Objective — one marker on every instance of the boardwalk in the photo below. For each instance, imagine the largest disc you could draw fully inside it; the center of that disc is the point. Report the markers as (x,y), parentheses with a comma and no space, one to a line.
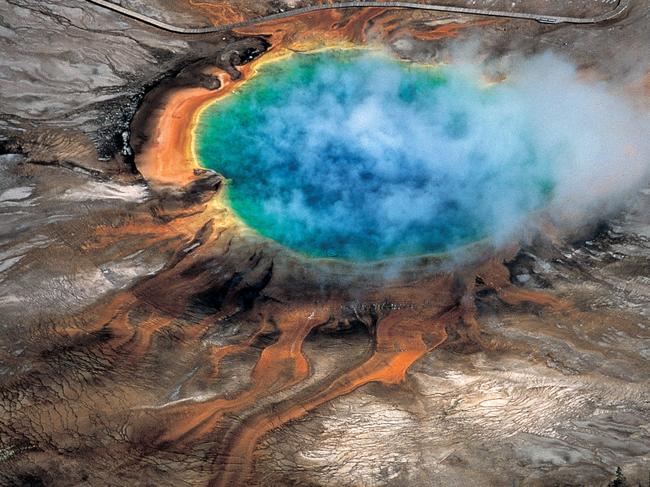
(547,19)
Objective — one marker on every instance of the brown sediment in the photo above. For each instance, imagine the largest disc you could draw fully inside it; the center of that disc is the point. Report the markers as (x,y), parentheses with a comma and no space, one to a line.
(405,321)
(167,158)
(329,28)
(494,275)
(402,338)
(441,307)
(402,335)
(220,12)
(448,29)
(280,366)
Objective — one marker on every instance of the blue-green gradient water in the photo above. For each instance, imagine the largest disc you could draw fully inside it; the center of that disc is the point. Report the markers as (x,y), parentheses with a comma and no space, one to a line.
(358,156)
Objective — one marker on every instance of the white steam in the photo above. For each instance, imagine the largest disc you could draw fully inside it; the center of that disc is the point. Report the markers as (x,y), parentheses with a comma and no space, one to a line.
(351,158)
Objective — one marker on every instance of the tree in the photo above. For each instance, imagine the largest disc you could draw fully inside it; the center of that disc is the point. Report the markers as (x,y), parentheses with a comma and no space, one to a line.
(619,480)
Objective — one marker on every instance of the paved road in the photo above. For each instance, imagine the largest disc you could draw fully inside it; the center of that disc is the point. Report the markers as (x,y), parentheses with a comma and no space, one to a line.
(546,19)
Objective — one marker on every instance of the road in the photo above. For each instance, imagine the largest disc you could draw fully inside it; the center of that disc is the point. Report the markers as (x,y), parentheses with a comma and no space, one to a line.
(621,7)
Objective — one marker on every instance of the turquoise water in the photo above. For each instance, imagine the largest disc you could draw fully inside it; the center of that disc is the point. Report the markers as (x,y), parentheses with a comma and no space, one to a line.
(358,156)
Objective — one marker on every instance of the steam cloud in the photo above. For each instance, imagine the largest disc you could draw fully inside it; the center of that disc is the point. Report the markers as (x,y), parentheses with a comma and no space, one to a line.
(364,157)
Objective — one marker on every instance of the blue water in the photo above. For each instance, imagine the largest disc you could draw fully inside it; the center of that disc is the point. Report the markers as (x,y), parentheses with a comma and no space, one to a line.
(361,157)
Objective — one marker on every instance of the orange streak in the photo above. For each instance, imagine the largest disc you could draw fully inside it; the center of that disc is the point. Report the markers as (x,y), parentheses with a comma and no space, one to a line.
(167,158)
(281,365)
(400,343)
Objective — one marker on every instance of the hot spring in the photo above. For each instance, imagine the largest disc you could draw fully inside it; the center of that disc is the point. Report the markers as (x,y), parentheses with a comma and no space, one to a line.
(358,156)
